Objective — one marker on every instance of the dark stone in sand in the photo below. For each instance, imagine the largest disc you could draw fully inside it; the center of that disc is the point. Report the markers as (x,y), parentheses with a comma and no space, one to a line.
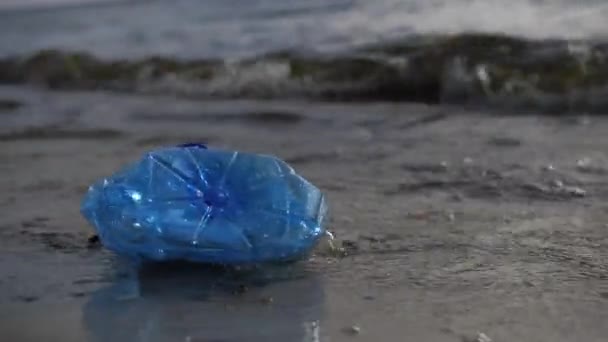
(57,241)
(241,289)
(425,168)
(28,299)
(267,300)
(85,281)
(352,330)
(423,121)
(93,241)
(9,105)
(504,142)
(350,246)
(29,224)
(371,239)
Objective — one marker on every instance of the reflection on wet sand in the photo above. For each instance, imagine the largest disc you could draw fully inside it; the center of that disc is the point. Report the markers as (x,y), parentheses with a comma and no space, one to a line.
(183,302)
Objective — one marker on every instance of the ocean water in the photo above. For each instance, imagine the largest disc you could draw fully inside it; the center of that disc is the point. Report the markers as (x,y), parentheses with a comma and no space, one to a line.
(212,28)
(549,55)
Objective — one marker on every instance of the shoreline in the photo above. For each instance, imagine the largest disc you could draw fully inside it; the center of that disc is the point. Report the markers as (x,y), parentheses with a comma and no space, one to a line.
(454,221)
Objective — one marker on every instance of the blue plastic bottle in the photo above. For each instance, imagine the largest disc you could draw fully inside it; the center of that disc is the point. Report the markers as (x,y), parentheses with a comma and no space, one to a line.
(206,205)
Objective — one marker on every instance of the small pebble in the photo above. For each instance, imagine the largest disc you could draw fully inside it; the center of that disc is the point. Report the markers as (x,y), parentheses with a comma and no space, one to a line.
(583,163)
(481,337)
(328,247)
(575,191)
(353,330)
(420,215)
(28,299)
(584,121)
(93,241)
(29,224)
(267,300)
(548,167)
(457,197)
(9,104)
(451,216)
(241,289)
(570,190)
(350,245)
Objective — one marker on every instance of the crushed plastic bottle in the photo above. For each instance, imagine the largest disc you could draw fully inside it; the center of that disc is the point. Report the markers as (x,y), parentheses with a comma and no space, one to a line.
(207,205)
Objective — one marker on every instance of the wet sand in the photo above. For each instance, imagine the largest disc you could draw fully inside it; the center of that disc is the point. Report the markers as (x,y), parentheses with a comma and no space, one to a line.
(451,222)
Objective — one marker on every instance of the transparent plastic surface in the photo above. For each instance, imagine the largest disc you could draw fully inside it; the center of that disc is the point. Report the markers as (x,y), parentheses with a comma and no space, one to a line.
(206,205)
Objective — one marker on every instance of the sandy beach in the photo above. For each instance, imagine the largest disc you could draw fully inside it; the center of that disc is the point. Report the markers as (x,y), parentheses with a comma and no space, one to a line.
(452,222)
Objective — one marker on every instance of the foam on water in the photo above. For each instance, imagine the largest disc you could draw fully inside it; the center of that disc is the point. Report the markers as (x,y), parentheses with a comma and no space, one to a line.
(214,28)
(526,18)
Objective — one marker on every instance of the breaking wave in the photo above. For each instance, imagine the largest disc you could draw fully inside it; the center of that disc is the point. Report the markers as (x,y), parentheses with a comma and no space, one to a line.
(479,69)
